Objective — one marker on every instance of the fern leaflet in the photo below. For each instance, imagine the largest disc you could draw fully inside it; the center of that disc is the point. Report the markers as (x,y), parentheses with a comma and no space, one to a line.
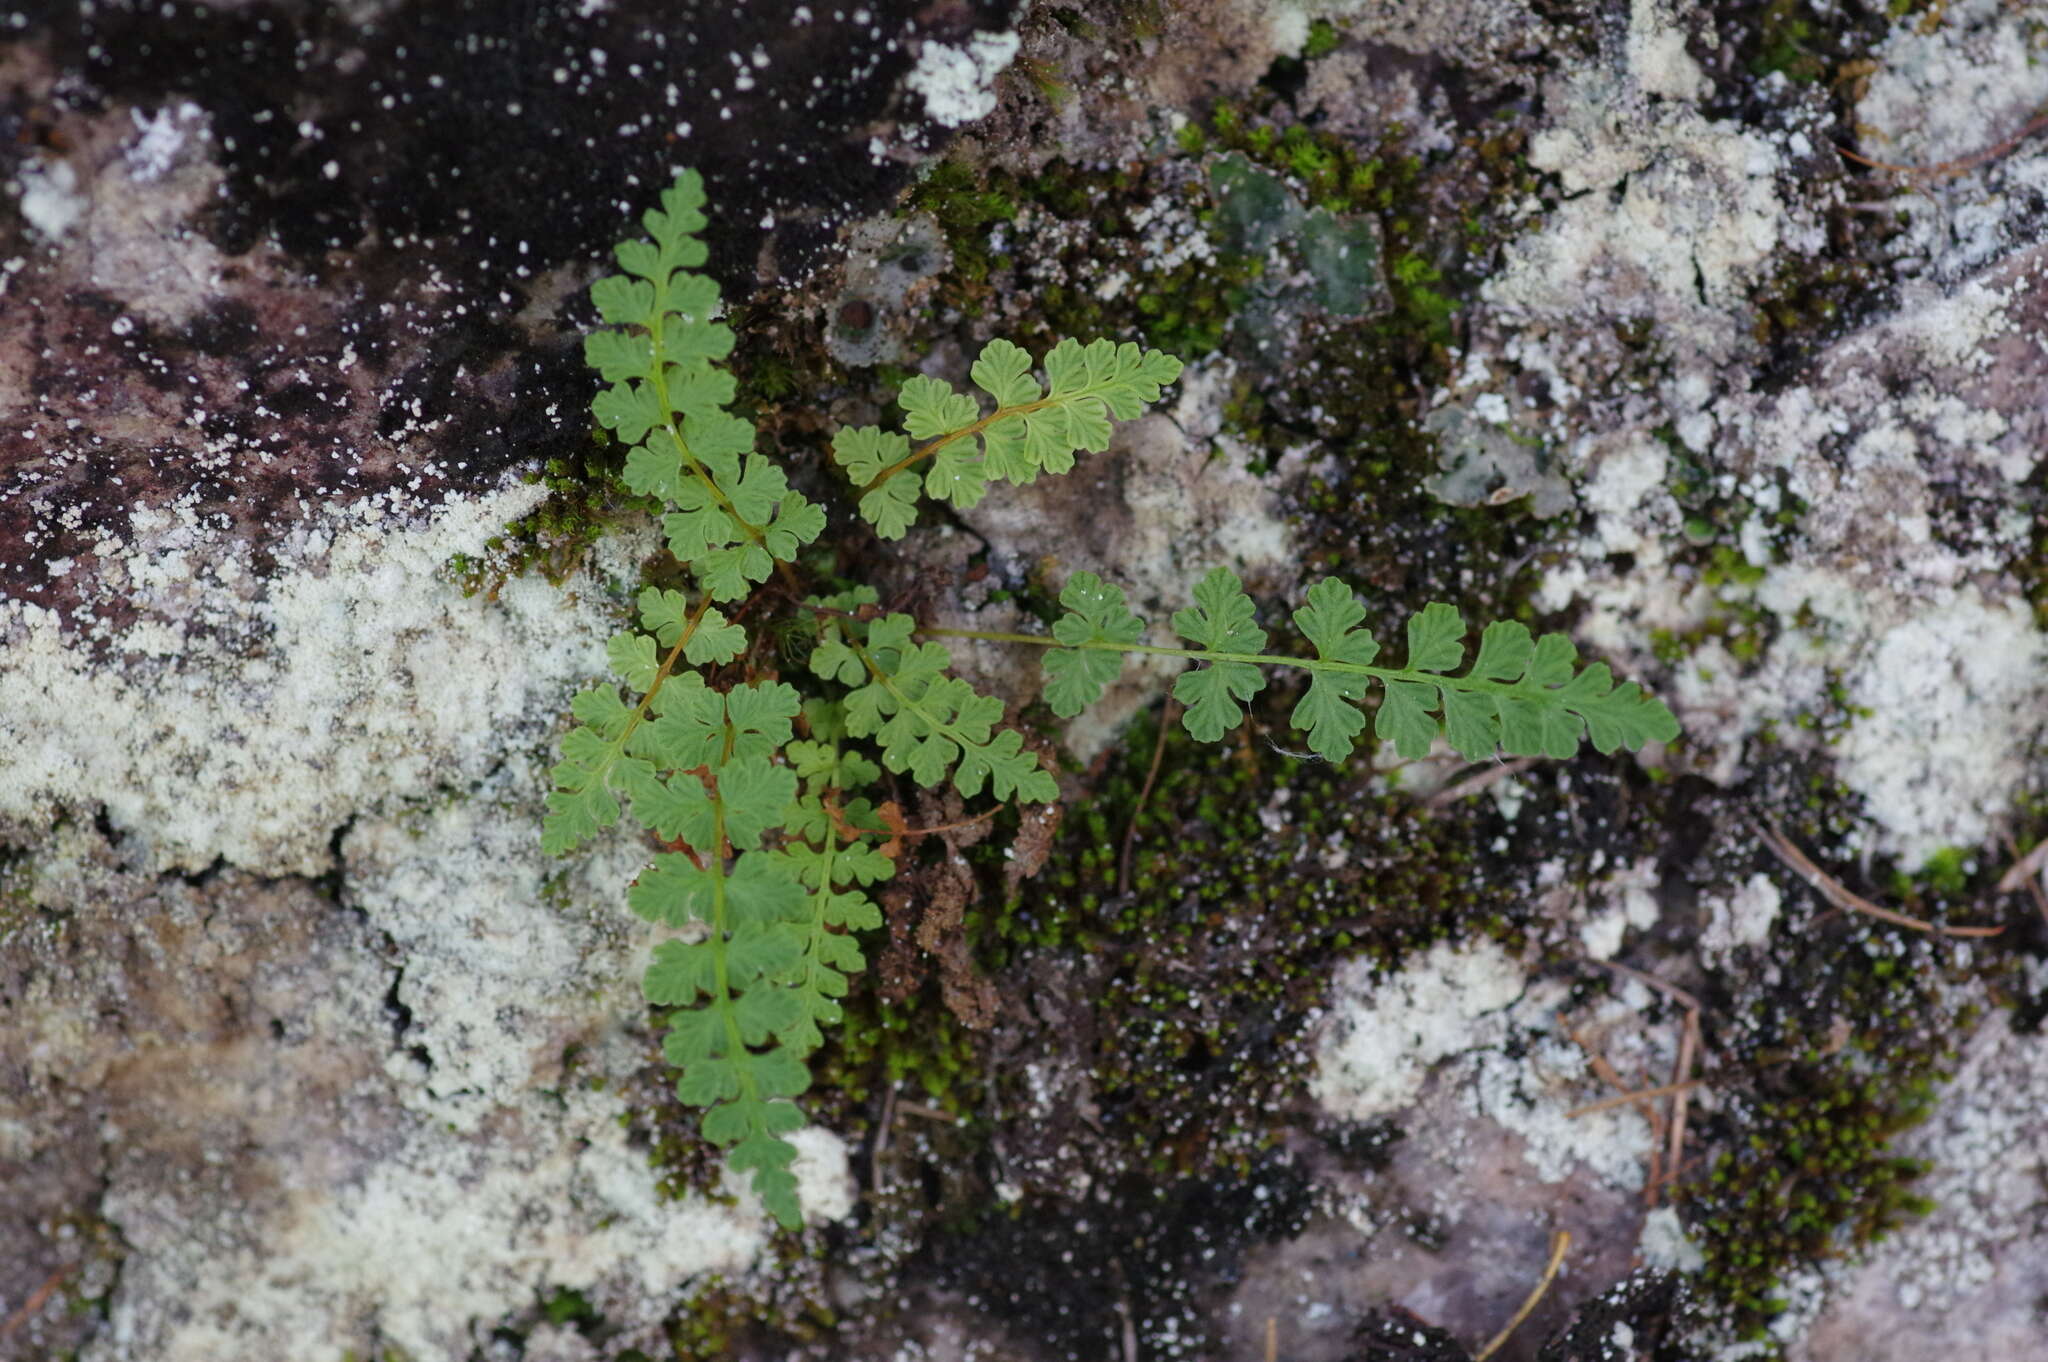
(926,721)
(1222,623)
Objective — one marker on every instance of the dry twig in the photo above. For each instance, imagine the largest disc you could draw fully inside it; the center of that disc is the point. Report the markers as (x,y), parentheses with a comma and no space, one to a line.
(1639,1095)
(1663,986)
(1129,1329)
(1681,1102)
(2026,870)
(882,1128)
(1608,1075)
(35,1301)
(928,1113)
(955,826)
(1473,784)
(1560,1240)
(1947,169)
(1123,868)
(1833,891)
(1680,1088)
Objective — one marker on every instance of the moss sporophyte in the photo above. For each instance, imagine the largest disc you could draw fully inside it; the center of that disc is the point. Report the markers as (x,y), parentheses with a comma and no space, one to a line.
(761,792)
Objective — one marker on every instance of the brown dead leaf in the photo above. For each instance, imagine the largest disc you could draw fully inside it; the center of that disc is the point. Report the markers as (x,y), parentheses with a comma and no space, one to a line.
(1038,826)
(891,814)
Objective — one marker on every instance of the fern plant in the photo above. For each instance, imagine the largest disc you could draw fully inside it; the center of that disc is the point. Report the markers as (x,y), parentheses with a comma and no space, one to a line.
(756,792)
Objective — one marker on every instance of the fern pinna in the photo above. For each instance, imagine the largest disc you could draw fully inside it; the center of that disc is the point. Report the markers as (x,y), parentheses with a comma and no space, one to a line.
(754,789)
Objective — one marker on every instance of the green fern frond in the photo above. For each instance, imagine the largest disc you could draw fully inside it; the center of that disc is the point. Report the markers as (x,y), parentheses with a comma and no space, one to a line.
(594,754)
(926,721)
(734,515)
(770,847)
(711,637)
(1522,695)
(875,459)
(739,982)
(1087,386)
(833,868)
(1328,711)
(1031,430)
(582,804)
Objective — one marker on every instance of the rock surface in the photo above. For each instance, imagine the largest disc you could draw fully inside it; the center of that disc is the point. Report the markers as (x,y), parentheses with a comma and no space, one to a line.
(308,1052)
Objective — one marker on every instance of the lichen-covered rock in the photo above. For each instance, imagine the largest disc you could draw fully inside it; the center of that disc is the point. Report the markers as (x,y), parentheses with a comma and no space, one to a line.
(1567,313)
(308,1052)
(1970,1277)
(290,1131)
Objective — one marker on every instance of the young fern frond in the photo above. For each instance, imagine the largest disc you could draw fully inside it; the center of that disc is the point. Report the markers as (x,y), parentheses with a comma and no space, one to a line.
(1522,695)
(1096,618)
(753,789)
(1031,430)
(734,515)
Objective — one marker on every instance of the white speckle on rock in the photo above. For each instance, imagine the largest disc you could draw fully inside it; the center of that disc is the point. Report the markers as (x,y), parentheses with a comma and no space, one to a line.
(1627,497)
(955,81)
(50,202)
(1743,918)
(1657,59)
(163,138)
(124,224)
(1664,1245)
(1384,1035)
(1956,695)
(1288,27)
(1945,90)
(824,1175)
(1683,214)
(1628,899)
